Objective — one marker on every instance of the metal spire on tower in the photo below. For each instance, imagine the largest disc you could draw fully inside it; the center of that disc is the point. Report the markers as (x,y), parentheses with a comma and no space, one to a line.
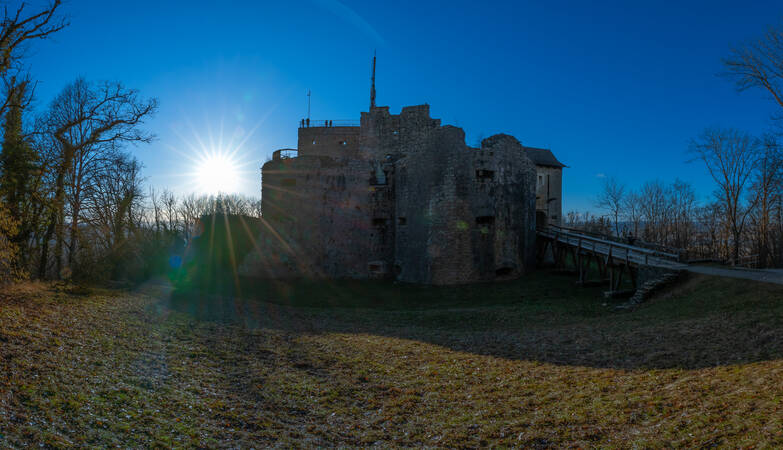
(308,104)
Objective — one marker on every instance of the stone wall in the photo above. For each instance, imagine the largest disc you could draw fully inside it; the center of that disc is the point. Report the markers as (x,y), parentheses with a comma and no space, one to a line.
(468,213)
(384,134)
(334,142)
(549,186)
(319,206)
(402,197)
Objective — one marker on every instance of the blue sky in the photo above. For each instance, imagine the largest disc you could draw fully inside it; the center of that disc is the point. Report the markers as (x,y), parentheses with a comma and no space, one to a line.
(613,88)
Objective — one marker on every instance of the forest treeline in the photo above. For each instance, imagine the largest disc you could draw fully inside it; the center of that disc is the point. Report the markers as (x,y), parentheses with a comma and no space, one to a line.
(73,203)
(743,222)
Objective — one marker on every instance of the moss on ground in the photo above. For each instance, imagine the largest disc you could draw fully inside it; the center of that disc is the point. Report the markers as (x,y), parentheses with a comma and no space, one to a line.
(535,362)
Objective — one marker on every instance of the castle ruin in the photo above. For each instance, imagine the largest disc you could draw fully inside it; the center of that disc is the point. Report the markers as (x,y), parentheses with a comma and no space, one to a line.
(400,196)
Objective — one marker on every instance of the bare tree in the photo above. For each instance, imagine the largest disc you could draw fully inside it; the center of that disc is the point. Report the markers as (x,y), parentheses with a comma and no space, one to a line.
(612,199)
(632,211)
(760,64)
(731,158)
(156,209)
(113,212)
(572,219)
(19,28)
(169,206)
(712,231)
(766,193)
(654,211)
(190,211)
(682,204)
(255,208)
(87,117)
(84,178)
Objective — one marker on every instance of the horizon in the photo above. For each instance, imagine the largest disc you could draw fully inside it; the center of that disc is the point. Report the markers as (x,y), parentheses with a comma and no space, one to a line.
(598,94)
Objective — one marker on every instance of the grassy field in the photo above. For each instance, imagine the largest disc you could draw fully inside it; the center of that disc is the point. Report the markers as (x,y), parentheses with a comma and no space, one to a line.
(536,362)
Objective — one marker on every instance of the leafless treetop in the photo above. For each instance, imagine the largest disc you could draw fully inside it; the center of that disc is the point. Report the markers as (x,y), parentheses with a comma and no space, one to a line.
(18,26)
(760,64)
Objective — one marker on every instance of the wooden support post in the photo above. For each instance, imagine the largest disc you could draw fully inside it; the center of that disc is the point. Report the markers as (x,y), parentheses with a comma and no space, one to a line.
(618,277)
(611,278)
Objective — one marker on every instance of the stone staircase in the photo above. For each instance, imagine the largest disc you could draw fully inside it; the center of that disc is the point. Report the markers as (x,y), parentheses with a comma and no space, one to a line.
(649,288)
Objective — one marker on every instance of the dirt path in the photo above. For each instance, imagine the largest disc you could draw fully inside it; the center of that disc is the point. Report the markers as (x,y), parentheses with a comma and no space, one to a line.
(763,275)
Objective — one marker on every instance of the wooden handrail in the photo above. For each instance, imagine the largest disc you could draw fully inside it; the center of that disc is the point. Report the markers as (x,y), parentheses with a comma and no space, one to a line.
(558,235)
(661,249)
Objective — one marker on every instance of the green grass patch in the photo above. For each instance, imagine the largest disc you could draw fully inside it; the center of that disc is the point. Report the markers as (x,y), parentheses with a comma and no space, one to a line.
(534,362)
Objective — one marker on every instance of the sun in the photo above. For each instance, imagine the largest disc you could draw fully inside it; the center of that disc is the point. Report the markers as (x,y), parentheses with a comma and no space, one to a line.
(218,173)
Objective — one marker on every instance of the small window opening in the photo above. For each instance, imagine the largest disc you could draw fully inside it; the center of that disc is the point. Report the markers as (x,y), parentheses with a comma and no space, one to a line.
(485,220)
(379,222)
(375,267)
(288,182)
(484,174)
(378,177)
(402,220)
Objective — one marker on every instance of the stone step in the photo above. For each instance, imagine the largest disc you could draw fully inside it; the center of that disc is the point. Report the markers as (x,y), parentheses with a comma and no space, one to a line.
(648,288)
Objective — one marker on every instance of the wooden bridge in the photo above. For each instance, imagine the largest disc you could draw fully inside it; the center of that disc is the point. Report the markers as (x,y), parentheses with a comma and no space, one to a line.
(613,260)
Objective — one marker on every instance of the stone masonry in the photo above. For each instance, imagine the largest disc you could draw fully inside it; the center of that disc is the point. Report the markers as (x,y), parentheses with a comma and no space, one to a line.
(398,197)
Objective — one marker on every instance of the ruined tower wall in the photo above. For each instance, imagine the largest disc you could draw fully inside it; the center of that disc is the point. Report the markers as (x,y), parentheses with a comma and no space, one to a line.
(434,245)
(385,134)
(505,189)
(400,196)
(384,139)
(334,142)
(464,214)
(319,206)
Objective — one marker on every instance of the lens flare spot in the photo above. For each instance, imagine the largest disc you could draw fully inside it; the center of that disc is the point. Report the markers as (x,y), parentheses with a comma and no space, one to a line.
(218,173)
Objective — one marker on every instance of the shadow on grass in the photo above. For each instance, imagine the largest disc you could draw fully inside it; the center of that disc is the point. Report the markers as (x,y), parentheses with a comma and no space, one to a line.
(704,322)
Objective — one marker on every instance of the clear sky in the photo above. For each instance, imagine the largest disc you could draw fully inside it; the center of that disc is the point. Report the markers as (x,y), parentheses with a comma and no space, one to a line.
(613,88)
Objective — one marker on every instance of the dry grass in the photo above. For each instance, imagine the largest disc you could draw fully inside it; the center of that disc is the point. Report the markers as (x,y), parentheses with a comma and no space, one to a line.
(534,363)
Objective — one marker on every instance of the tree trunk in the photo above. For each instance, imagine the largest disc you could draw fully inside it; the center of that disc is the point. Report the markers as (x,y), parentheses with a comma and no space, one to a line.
(45,247)
(59,206)
(74,232)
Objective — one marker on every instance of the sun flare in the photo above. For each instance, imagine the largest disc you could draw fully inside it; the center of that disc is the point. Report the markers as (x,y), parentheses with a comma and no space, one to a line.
(218,173)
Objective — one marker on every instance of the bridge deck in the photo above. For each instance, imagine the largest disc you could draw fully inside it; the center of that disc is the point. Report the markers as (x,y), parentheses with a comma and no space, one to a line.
(639,256)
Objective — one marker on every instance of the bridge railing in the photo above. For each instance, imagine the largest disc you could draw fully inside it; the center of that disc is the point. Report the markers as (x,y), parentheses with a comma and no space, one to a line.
(328,123)
(637,242)
(586,241)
